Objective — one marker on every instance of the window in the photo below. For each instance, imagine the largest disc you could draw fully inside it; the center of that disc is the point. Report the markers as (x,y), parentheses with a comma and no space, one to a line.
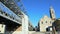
(46,21)
(50,22)
(2,26)
(42,22)
(52,12)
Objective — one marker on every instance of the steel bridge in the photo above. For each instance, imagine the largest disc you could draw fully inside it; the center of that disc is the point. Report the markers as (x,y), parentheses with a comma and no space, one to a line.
(10,11)
(11,15)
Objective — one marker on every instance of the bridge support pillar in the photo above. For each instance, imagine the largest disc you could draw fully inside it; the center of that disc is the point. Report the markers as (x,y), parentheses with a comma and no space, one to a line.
(25,24)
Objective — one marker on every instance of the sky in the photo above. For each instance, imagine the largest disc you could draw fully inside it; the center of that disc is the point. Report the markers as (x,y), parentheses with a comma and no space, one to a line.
(36,9)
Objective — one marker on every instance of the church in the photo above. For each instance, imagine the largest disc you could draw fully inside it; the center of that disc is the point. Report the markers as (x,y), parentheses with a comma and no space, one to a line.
(45,23)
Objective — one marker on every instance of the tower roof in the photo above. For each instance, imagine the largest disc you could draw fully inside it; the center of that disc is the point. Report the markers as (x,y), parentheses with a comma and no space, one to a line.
(51,7)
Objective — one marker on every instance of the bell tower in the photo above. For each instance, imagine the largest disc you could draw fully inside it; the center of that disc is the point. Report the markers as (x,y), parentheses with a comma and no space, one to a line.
(52,13)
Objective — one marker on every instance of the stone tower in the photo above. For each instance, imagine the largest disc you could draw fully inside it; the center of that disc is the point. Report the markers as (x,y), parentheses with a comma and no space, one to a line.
(52,13)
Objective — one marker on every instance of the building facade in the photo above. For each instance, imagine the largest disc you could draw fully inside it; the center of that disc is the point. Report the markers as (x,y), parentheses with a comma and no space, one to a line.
(45,23)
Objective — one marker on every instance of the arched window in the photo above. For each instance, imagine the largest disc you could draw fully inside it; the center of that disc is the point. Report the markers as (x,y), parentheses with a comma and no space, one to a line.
(46,21)
(50,22)
(42,22)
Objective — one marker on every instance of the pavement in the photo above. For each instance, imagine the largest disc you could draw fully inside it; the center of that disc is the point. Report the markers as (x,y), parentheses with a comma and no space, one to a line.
(41,33)
(34,32)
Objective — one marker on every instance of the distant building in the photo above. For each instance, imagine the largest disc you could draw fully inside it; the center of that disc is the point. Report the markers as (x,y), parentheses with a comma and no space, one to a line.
(30,26)
(2,28)
(45,23)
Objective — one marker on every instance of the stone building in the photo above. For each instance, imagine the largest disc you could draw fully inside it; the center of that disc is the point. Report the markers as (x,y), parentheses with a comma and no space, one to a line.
(45,23)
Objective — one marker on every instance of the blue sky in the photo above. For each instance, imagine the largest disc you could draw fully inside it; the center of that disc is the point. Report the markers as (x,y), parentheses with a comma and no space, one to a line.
(36,9)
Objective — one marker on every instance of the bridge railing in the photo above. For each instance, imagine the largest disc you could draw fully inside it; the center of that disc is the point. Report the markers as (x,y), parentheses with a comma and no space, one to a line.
(9,16)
